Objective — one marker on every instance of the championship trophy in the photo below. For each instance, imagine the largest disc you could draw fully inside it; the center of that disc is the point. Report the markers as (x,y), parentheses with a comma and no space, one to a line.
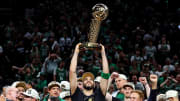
(99,13)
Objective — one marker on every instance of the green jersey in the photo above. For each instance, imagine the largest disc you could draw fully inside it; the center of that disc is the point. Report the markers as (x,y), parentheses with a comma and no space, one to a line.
(60,74)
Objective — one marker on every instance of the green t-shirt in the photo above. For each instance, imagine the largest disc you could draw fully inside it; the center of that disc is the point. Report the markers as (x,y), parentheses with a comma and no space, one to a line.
(60,74)
(118,47)
(41,85)
(95,70)
(120,96)
(167,87)
(133,70)
(46,98)
(160,80)
(37,68)
(113,65)
(28,78)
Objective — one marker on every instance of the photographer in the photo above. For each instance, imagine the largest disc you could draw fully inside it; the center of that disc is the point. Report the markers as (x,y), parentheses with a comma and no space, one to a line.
(50,64)
(168,84)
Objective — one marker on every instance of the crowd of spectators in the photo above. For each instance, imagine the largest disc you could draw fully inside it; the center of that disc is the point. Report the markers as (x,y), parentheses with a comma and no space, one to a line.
(140,39)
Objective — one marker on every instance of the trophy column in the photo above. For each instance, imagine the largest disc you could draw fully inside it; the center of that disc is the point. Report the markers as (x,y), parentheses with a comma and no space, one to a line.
(100,13)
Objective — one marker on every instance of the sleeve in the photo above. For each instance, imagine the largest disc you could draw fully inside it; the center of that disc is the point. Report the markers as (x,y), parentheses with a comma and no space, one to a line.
(159,46)
(59,59)
(153,94)
(46,60)
(115,99)
(76,92)
(132,58)
(168,47)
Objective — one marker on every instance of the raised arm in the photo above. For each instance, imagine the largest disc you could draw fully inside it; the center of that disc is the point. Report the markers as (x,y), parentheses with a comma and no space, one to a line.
(72,70)
(154,91)
(104,80)
(143,80)
(114,75)
(154,80)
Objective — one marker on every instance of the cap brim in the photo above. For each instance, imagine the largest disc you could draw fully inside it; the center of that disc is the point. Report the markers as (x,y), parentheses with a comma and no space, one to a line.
(128,86)
(26,94)
(53,86)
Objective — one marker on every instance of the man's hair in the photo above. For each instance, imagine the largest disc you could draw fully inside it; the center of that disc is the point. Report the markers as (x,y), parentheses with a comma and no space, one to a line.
(140,93)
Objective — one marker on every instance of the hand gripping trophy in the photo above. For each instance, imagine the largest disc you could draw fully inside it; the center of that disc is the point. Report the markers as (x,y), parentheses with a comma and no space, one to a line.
(99,13)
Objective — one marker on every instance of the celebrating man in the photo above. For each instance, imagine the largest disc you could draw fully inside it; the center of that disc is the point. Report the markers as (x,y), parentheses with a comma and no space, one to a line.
(90,92)
(31,95)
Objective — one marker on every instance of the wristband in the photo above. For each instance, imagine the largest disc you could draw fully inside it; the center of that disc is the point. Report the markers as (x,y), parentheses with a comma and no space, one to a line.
(105,75)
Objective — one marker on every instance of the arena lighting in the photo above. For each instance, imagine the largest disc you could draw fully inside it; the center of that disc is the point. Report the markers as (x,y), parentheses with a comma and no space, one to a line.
(179,27)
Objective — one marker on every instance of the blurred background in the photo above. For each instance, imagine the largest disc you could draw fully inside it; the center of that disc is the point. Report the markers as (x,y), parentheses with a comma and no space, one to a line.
(140,36)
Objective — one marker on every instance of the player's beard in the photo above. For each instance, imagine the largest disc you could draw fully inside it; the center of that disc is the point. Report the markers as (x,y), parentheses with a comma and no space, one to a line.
(88,87)
(20,99)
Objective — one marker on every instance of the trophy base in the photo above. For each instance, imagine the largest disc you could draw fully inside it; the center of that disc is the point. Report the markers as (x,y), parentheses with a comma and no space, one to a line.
(90,46)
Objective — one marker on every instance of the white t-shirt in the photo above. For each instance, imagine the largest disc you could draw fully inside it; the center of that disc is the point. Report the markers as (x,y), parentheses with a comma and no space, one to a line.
(150,50)
(168,68)
(138,59)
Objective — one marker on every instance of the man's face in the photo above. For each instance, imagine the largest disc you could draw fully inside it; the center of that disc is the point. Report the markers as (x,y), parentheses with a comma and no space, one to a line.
(54,91)
(20,91)
(135,97)
(120,82)
(134,78)
(88,83)
(14,94)
(127,91)
(178,77)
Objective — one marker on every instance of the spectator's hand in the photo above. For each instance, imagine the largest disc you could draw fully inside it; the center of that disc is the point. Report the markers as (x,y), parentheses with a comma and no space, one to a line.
(114,75)
(2,98)
(49,56)
(56,55)
(143,80)
(14,67)
(77,48)
(153,78)
(21,70)
(169,78)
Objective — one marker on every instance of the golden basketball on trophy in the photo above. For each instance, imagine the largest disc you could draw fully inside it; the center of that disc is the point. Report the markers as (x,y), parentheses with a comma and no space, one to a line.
(99,13)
